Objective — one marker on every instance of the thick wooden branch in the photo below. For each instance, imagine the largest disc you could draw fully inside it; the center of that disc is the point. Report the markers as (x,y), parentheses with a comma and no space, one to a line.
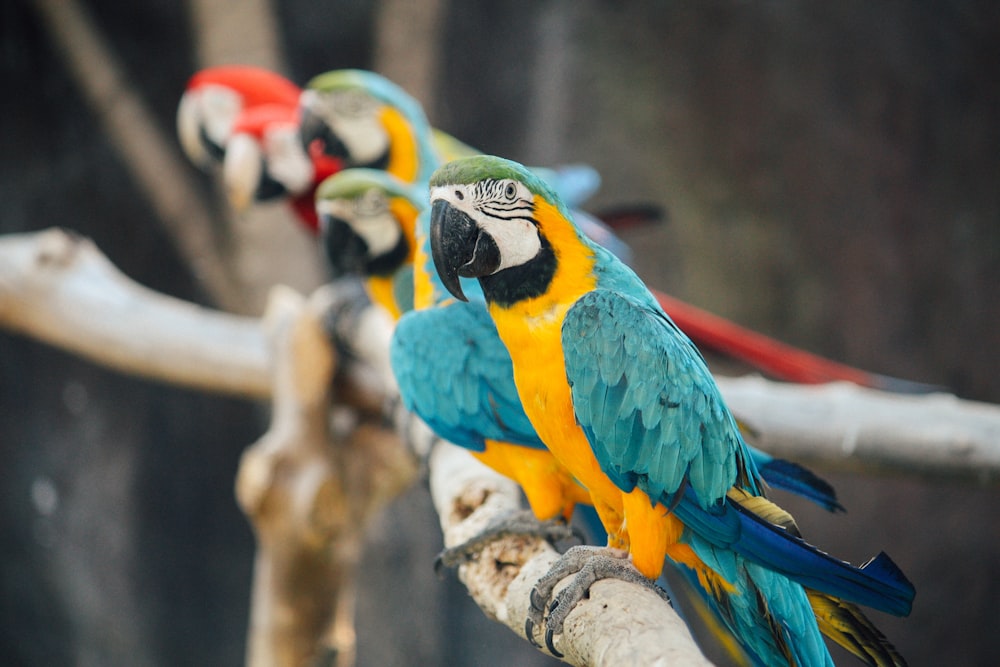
(467,496)
(59,288)
(309,494)
(841,424)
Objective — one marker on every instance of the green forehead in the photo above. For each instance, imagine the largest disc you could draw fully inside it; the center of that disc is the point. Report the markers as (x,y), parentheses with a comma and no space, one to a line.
(483,167)
(336,80)
(352,183)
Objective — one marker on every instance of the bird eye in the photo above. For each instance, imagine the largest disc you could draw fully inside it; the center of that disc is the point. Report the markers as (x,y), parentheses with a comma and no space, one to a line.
(510,191)
(458,195)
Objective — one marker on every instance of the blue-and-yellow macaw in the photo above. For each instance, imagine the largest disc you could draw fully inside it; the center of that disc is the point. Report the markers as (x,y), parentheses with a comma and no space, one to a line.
(474,401)
(625,403)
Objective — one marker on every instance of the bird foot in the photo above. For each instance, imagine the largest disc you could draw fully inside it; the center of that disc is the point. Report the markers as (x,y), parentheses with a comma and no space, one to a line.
(587,565)
(519,523)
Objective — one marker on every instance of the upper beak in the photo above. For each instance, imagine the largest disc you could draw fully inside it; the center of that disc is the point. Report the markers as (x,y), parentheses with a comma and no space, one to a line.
(346,251)
(460,248)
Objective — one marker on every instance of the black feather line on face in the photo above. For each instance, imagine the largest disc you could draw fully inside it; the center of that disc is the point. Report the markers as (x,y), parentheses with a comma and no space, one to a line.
(526,281)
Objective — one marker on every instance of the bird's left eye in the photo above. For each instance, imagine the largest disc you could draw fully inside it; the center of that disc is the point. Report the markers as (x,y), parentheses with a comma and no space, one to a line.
(510,192)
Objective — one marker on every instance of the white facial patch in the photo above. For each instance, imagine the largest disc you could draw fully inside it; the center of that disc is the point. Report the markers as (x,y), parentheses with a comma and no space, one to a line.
(370,218)
(354,118)
(502,213)
(219,107)
(517,240)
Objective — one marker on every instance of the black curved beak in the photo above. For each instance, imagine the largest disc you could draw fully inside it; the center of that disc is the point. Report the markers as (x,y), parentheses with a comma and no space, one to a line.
(313,129)
(345,250)
(460,248)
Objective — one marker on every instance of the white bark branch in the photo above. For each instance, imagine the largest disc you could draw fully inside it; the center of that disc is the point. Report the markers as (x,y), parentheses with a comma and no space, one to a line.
(841,424)
(59,288)
(310,494)
(468,496)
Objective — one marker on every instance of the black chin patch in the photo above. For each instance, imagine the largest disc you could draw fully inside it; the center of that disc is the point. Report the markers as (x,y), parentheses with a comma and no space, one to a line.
(346,251)
(388,263)
(525,281)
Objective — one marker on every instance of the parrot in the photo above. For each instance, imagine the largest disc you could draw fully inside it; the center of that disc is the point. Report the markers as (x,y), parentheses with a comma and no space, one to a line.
(215,96)
(625,403)
(365,119)
(247,119)
(474,402)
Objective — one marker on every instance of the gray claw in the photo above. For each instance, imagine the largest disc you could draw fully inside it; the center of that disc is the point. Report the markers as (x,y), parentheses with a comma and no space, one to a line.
(520,523)
(586,565)
(548,643)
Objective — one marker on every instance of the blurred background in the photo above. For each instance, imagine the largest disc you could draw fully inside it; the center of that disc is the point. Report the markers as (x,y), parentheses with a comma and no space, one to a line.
(831,173)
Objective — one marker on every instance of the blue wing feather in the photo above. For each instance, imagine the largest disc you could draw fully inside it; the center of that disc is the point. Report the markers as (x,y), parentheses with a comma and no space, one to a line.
(628,341)
(455,374)
(688,443)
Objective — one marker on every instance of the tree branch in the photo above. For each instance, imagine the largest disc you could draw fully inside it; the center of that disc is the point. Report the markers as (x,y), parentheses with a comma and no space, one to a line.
(841,424)
(309,495)
(59,288)
(468,496)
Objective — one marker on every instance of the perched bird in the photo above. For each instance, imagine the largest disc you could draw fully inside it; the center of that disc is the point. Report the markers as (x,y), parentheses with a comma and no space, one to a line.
(215,97)
(246,119)
(465,390)
(624,401)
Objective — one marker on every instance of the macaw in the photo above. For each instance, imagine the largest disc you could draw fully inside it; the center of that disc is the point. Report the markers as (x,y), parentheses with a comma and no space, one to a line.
(624,401)
(213,99)
(474,402)
(379,232)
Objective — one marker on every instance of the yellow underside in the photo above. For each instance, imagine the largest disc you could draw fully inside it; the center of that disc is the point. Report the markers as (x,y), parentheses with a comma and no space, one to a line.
(532,332)
(550,490)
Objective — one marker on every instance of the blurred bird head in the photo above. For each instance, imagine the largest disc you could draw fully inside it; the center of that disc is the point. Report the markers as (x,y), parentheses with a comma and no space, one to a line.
(368,121)
(215,97)
(367,220)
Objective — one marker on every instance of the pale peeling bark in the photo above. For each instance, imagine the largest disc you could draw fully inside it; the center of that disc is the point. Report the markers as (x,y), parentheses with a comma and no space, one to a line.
(59,288)
(841,424)
(309,493)
(619,624)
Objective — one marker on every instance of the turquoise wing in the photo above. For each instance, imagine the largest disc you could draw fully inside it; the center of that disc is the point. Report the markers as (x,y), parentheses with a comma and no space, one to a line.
(654,419)
(455,374)
(647,404)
